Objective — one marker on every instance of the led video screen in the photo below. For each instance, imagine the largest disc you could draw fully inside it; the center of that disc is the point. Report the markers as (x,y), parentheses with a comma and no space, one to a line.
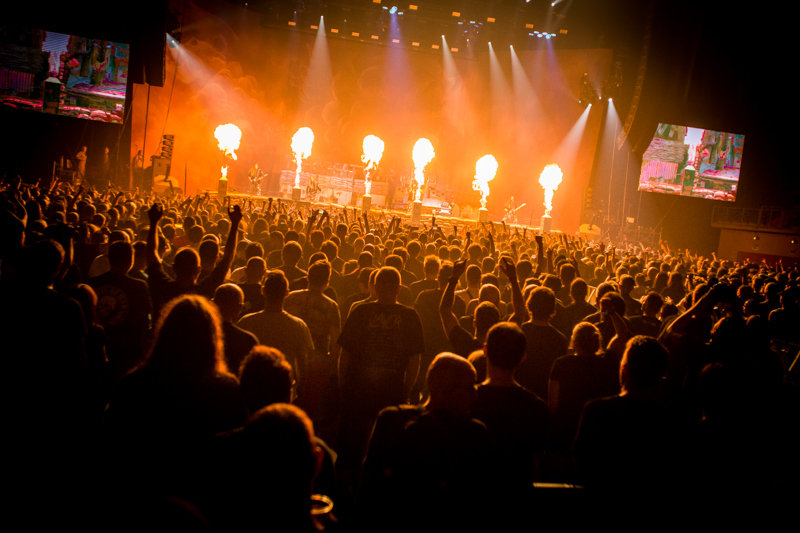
(63,74)
(692,162)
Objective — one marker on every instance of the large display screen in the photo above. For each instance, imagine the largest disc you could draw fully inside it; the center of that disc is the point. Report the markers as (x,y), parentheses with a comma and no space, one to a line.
(63,74)
(692,162)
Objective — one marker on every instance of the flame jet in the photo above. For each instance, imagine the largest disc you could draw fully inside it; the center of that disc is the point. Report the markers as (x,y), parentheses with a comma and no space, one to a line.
(549,180)
(485,170)
(422,155)
(302,141)
(373,151)
(228,137)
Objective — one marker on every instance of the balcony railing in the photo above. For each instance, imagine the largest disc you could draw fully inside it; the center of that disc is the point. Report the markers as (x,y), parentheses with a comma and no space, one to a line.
(765,218)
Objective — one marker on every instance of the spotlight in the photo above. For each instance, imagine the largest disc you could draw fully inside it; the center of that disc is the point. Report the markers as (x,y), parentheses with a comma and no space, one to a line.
(172,42)
(393,10)
(609,99)
(547,36)
(539,35)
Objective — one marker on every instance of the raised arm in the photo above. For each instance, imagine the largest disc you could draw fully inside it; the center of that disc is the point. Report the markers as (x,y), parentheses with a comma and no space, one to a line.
(520,313)
(449,319)
(151,250)
(235,215)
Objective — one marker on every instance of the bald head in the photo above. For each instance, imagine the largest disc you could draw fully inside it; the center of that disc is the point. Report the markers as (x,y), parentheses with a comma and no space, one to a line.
(229,299)
(451,381)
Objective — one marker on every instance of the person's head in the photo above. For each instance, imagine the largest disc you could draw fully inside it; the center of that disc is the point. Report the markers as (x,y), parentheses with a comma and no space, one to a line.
(489,293)
(473,275)
(291,253)
(188,338)
(275,288)
(209,253)
(486,315)
(626,284)
(41,262)
(394,261)
(612,301)
(276,240)
(186,265)
(652,303)
(505,346)
(585,339)
(387,283)
(431,266)
(365,259)
(578,290)
(363,279)
(255,269)
(282,459)
(451,382)
(120,256)
(230,300)
(643,364)
(265,377)
(319,274)
(330,249)
(567,274)
(541,303)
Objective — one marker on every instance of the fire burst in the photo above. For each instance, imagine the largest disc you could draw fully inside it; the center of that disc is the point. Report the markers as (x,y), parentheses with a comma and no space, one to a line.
(228,137)
(302,141)
(485,169)
(422,155)
(550,178)
(373,151)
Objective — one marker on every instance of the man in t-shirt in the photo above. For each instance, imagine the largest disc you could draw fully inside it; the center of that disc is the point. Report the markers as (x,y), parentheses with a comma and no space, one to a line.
(276,328)
(517,419)
(381,344)
(123,309)
(321,315)
(626,441)
(545,343)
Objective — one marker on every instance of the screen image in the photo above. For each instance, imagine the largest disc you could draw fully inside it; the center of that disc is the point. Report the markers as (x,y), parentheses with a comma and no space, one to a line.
(692,162)
(63,74)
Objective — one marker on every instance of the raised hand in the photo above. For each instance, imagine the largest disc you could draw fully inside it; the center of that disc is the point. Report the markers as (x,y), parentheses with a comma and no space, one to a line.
(508,268)
(459,268)
(235,215)
(155,213)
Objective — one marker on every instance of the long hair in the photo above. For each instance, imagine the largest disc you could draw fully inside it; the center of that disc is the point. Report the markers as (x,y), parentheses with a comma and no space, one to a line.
(188,338)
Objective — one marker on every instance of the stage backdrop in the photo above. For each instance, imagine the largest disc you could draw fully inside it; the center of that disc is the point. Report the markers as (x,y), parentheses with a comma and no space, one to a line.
(270,82)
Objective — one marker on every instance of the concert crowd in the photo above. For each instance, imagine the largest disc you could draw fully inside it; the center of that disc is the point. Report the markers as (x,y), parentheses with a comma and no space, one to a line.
(188,363)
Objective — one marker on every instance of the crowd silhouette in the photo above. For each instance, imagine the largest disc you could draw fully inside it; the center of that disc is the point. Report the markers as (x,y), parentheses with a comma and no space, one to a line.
(189,363)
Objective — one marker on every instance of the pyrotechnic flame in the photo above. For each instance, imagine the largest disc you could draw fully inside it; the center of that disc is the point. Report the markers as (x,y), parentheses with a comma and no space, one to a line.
(485,169)
(373,151)
(301,148)
(228,137)
(224,173)
(550,178)
(422,155)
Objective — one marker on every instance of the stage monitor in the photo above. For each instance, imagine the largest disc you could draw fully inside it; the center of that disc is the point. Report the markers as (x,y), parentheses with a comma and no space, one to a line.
(692,162)
(63,74)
